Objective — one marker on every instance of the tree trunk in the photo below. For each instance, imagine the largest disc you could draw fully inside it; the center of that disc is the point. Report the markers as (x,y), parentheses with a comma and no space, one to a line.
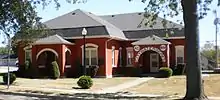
(194,84)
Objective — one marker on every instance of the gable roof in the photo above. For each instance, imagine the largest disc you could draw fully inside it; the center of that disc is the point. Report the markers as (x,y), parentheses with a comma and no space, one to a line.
(54,39)
(120,26)
(80,19)
(136,21)
(150,40)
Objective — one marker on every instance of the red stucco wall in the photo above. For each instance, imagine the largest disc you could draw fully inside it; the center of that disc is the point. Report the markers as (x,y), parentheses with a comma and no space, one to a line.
(175,42)
(104,52)
(101,52)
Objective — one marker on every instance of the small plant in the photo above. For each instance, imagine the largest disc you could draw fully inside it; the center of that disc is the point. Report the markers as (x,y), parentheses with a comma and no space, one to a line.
(55,70)
(179,69)
(85,82)
(11,80)
(165,72)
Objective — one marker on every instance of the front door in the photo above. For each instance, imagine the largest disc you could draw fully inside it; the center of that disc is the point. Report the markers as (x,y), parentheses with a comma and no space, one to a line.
(154,62)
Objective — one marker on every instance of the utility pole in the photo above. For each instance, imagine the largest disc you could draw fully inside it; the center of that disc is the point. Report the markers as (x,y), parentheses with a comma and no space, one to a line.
(216,22)
(9,49)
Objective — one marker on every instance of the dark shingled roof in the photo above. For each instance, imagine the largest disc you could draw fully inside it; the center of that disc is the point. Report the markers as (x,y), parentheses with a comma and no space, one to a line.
(138,34)
(79,19)
(77,32)
(136,21)
(121,26)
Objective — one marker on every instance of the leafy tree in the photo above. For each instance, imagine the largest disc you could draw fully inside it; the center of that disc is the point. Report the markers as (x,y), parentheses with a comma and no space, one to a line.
(208,50)
(3,50)
(19,18)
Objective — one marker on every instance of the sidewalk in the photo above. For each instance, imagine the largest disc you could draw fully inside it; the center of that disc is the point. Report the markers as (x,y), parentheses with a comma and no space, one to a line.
(123,86)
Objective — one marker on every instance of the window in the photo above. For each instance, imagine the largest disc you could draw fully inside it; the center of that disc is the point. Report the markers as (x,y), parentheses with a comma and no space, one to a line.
(91,56)
(179,54)
(27,51)
(113,56)
(129,56)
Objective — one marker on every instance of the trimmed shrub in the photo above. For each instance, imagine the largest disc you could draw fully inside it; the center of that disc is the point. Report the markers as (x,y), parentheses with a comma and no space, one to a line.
(12,78)
(179,69)
(165,72)
(85,82)
(27,64)
(55,70)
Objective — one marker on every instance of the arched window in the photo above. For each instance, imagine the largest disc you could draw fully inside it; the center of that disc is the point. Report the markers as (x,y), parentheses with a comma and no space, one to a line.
(28,55)
(91,54)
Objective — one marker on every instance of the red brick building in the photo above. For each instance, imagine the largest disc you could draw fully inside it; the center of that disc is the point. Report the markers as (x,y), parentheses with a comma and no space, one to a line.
(116,44)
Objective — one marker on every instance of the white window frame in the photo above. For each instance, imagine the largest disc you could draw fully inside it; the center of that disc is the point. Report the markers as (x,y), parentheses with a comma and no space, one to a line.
(91,47)
(129,49)
(113,56)
(177,48)
(27,50)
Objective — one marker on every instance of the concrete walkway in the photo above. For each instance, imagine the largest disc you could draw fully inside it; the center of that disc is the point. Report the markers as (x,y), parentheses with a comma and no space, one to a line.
(123,86)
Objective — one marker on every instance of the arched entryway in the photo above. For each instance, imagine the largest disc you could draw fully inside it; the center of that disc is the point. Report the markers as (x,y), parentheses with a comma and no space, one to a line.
(44,62)
(150,61)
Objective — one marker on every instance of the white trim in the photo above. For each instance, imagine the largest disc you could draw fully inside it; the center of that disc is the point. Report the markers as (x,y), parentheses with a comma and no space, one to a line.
(90,44)
(109,76)
(27,47)
(80,37)
(98,36)
(47,49)
(41,66)
(178,47)
(168,55)
(106,53)
(181,37)
(113,56)
(67,66)
(129,49)
(67,49)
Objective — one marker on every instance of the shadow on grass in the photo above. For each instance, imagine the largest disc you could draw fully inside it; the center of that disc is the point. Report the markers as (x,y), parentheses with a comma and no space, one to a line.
(87,96)
(76,88)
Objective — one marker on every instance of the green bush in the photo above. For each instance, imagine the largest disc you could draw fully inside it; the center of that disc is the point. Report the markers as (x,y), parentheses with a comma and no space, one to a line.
(179,69)
(85,82)
(27,64)
(55,70)
(165,72)
(11,80)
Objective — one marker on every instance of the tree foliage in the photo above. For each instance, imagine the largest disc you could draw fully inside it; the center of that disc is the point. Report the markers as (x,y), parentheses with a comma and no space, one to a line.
(209,51)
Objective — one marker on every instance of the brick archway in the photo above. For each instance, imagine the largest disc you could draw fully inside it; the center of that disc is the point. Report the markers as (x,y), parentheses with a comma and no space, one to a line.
(47,49)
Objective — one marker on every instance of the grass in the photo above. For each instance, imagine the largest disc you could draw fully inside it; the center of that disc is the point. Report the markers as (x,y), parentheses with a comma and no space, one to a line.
(176,85)
(41,85)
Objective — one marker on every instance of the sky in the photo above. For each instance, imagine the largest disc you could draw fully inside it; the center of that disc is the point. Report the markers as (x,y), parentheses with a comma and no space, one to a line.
(109,7)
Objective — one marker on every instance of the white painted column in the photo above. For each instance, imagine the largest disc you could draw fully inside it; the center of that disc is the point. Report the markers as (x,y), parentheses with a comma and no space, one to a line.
(168,55)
